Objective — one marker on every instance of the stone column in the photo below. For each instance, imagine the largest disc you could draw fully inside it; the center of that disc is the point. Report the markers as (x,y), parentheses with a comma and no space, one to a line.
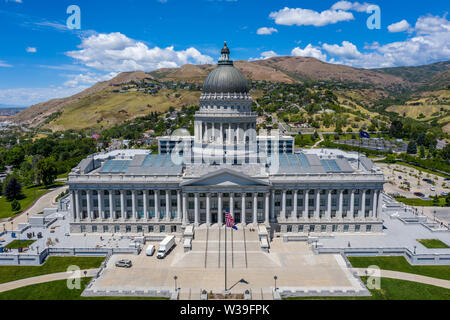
(352,203)
(134,203)
(329,205)
(243,215)
(179,213)
(89,203)
(101,213)
(363,205)
(306,201)
(229,134)
(272,205)
(111,205)
(78,208)
(168,204)
(197,212)
(145,200)
(122,204)
(283,206)
(157,205)
(317,214)
(73,207)
(294,212)
(374,204)
(341,203)
(232,204)
(380,204)
(267,205)
(208,209)
(219,210)
(221,133)
(255,208)
(185,214)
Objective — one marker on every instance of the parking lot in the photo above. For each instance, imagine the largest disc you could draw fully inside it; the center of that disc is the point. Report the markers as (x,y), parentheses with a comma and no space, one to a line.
(401,175)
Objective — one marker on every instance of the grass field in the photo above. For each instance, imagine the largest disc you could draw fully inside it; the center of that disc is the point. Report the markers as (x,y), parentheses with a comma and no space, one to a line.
(16,244)
(52,265)
(56,290)
(420,202)
(31,194)
(433,243)
(393,289)
(415,111)
(106,108)
(402,265)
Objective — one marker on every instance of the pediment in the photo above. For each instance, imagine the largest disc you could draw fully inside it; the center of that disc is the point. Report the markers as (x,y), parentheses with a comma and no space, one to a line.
(225,177)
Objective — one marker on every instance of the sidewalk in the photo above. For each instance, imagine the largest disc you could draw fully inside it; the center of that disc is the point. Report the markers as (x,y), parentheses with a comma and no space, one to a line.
(42,279)
(409,277)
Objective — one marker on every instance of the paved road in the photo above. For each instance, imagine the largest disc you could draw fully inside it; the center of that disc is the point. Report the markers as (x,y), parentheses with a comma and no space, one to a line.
(46,201)
(45,278)
(410,277)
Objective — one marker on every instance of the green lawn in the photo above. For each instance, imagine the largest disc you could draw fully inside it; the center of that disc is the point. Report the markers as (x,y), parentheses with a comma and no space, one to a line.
(420,202)
(402,265)
(52,265)
(16,244)
(31,194)
(422,169)
(433,243)
(57,290)
(393,289)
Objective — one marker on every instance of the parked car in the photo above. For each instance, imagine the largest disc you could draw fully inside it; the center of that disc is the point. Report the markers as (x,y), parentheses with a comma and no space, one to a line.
(124,263)
(419,194)
(433,189)
(444,194)
(150,250)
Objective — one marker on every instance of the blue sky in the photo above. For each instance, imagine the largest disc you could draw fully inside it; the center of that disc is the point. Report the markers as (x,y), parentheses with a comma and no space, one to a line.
(40,58)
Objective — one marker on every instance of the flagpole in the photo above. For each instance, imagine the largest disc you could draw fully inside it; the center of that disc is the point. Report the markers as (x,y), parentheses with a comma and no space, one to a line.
(359,149)
(225,257)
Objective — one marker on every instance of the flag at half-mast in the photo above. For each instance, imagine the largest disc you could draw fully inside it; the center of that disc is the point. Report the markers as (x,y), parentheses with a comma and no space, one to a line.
(229,221)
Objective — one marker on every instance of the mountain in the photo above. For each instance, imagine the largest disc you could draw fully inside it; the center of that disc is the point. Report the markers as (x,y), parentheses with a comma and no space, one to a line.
(102,106)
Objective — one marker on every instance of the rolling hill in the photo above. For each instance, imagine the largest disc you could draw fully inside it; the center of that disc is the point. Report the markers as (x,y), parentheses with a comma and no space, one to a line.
(101,105)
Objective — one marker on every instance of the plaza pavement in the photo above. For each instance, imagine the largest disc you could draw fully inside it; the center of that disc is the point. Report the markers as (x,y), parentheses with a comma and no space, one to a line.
(294,263)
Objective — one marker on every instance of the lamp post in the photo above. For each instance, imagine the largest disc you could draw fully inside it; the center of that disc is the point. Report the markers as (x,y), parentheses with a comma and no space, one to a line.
(175,278)
(434,215)
(275,278)
(415,247)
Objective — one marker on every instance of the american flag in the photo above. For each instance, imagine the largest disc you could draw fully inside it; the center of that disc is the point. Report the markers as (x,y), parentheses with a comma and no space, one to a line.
(229,221)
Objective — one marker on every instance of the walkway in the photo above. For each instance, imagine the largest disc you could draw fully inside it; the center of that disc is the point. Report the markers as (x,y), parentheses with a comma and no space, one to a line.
(409,277)
(43,279)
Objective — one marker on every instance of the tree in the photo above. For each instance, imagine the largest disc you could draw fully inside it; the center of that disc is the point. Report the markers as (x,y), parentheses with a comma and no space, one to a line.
(47,171)
(396,129)
(412,147)
(13,189)
(15,206)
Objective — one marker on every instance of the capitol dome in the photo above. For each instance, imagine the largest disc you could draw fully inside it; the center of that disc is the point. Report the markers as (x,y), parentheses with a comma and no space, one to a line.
(225,78)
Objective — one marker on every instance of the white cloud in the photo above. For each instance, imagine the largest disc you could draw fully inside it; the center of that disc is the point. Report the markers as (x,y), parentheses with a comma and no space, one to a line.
(265,55)
(350,6)
(432,24)
(309,51)
(3,64)
(90,78)
(266,31)
(31,50)
(400,26)
(307,17)
(347,50)
(30,96)
(116,52)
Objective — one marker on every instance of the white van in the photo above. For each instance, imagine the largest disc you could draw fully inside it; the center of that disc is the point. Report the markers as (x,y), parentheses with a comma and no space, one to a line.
(150,250)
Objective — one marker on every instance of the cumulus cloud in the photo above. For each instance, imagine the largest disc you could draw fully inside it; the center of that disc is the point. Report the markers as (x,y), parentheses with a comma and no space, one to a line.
(347,50)
(400,26)
(351,6)
(31,50)
(266,31)
(90,78)
(265,55)
(430,43)
(307,17)
(309,51)
(115,52)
